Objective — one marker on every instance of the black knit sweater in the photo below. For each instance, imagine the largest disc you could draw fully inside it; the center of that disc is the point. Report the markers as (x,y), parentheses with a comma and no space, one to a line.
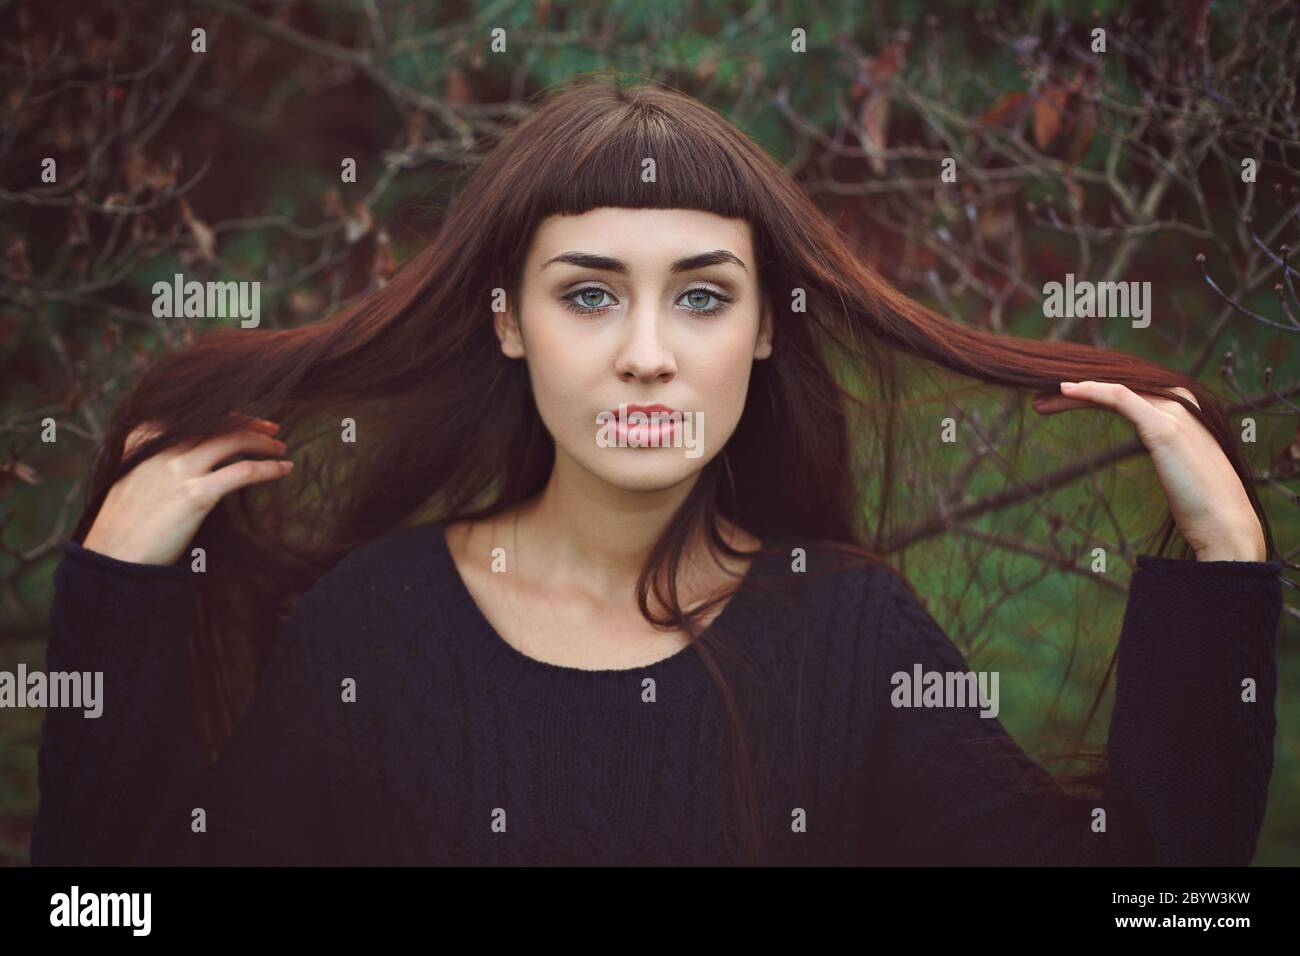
(458,748)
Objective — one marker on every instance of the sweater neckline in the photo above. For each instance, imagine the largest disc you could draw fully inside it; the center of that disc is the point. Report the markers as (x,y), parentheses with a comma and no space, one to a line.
(678,676)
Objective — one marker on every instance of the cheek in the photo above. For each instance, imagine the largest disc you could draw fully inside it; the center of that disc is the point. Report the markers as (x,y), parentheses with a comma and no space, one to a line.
(560,369)
(720,371)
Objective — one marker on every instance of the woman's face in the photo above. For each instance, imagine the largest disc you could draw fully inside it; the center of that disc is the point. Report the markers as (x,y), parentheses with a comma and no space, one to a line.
(649,307)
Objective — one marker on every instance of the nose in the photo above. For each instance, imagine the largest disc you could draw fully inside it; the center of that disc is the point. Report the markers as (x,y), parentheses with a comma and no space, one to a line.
(644,354)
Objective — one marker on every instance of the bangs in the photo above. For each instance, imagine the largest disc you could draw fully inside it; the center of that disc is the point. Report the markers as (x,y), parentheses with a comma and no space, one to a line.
(601,160)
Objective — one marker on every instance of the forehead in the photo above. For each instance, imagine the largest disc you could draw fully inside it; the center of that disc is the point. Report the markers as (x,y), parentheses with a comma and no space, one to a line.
(645,237)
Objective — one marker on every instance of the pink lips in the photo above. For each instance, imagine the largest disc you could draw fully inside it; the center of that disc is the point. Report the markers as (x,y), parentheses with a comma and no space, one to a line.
(647,409)
(648,433)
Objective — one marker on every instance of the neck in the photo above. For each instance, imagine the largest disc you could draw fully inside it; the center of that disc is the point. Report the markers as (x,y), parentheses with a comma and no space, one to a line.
(589,532)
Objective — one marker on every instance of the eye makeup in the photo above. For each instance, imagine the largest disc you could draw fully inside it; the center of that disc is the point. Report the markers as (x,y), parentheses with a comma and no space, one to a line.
(721,299)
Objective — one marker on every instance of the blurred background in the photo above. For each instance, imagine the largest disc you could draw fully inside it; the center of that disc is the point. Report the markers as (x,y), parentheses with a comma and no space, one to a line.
(208,136)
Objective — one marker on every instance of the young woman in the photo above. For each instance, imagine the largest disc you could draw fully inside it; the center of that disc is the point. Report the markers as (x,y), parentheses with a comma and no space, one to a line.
(531,632)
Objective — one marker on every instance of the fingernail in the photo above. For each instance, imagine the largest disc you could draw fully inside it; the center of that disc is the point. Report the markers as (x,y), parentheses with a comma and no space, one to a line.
(286,465)
(1069,384)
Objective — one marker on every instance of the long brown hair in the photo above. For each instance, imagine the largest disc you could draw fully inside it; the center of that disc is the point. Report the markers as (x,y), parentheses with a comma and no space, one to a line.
(448,429)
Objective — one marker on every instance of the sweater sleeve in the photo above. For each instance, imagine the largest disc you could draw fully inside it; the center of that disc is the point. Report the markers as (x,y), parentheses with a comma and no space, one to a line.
(1189,750)
(127,786)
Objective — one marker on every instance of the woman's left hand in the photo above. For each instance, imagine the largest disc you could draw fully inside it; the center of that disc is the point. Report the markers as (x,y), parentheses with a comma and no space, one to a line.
(1206,498)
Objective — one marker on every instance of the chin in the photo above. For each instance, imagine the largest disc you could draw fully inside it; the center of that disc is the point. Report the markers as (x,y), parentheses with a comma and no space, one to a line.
(645,469)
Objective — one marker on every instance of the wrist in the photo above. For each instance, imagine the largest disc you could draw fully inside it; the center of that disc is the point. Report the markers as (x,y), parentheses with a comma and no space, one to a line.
(1249,547)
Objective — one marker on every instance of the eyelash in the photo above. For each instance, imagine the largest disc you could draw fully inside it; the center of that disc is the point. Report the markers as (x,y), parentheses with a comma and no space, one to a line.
(567,300)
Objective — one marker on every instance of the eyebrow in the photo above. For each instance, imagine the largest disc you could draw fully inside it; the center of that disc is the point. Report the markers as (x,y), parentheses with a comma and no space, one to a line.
(589,260)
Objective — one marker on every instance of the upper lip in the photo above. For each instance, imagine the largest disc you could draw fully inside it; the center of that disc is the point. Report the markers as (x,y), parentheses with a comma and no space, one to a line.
(647,409)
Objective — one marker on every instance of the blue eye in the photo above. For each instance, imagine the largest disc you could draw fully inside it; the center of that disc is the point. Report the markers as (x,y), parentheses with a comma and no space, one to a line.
(707,294)
(580,300)
(586,306)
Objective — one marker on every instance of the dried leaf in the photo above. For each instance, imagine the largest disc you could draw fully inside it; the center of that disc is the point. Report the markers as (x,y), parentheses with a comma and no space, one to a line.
(205,240)
(1084,130)
(135,169)
(1286,464)
(306,303)
(1049,114)
(995,222)
(15,469)
(881,69)
(384,265)
(456,90)
(874,120)
(359,223)
(1007,110)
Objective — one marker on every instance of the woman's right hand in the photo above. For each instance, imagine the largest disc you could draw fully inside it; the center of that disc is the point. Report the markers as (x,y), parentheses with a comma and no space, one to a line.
(151,513)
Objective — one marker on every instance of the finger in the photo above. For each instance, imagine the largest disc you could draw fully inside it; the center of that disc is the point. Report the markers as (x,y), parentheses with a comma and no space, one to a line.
(147,430)
(1151,423)
(1173,407)
(212,487)
(138,435)
(262,425)
(1049,404)
(208,453)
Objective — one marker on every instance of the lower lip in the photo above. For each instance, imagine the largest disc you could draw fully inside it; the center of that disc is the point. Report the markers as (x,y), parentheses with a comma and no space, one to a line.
(660,433)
